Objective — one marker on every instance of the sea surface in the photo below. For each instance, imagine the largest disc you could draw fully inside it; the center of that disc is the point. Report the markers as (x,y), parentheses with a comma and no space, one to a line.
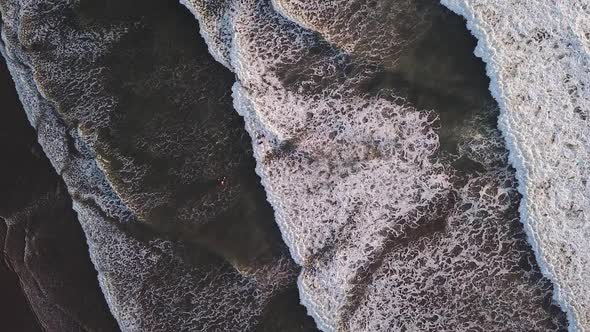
(538,56)
(376,141)
(331,157)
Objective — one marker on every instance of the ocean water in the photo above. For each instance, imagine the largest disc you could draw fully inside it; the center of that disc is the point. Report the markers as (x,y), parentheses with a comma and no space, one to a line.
(375,138)
(13,124)
(538,56)
(137,118)
(374,134)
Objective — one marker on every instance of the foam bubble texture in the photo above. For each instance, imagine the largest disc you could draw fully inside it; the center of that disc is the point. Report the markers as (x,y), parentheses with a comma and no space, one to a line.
(382,29)
(389,235)
(538,56)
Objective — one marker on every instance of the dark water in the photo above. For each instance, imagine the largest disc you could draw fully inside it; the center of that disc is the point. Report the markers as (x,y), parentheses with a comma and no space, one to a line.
(15,136)
(168,88)
(44,253)
(440,72)
(16,312)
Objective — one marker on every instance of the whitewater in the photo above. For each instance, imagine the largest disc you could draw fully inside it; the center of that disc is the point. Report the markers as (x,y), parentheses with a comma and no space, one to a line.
(371,191)
(538,57)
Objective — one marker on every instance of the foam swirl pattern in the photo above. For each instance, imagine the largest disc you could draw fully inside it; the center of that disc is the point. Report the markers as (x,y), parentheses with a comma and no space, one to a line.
(538,56)
(391,234)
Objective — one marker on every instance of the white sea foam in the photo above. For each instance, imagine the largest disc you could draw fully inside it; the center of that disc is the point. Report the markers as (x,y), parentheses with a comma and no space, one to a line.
(359,189)
(538,57)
